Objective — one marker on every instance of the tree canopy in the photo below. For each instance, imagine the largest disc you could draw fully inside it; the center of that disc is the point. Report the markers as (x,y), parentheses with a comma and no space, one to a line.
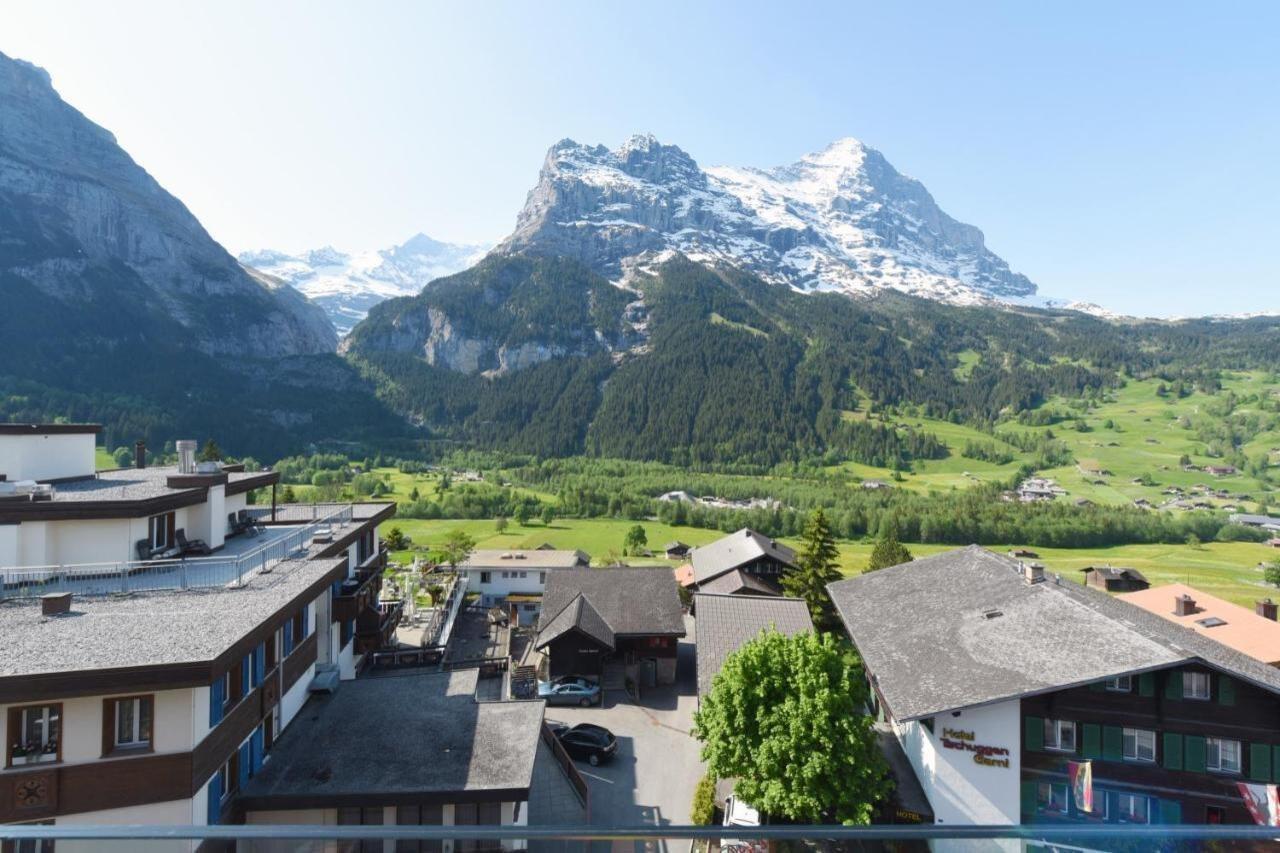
(888,552)
(456,548)
(786,718)
(636,540)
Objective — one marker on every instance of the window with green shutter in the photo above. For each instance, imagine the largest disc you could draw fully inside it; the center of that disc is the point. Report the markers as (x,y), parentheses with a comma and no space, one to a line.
(1170,811)
(1028,798)
(1098,686)
(1172,751)
(1172,684)
(1112,743)
(1260,762)
(1093,740)
(1147,684)
(1226,690)
(1033,733)
(1275,763)
(1193,753)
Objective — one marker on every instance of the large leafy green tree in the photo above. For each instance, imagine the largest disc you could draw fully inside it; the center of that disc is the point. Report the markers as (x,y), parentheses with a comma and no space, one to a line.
(888,552)
(785,717)
(817,565)
(456,548)
(636,540)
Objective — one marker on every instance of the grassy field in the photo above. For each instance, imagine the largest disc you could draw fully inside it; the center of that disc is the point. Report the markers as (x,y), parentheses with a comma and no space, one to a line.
(1133,434)
(1229,570)
(102,460)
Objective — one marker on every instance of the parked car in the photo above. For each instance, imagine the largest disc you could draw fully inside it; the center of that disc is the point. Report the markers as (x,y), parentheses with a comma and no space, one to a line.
(740,814)
(586,742)
(569,691)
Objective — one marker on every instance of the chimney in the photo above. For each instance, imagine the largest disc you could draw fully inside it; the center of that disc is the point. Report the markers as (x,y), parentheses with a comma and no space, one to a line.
(55,603)
(139,454)
(1184,605)
(1033,572)
(186,456)
(1266,608)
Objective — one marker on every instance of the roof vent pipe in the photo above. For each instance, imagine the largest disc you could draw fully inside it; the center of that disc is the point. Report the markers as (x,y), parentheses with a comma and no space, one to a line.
(140,454)
(186,456)
(1266,608)
(1184,605)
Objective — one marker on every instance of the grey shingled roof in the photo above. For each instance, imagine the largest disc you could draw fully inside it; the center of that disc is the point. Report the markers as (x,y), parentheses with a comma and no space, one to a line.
(420,733)
(579,614)
(738,581)
(727,622)
(734,550)
(147,628)
(924,632)
(631,601)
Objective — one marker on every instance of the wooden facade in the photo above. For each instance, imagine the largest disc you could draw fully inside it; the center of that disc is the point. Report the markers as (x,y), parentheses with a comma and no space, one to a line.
(1178,779)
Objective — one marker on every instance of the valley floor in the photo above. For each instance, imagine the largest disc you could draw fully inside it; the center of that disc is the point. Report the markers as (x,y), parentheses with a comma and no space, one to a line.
(1229,570)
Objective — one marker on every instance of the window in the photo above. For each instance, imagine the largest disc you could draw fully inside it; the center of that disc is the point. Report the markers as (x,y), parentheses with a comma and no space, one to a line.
(1120,684)
(160,531)
(477,814)
(1214,815)
(36,734)
(524,575)
(486,577)
(30,845)
(355,816)
(425,815)
(1195,685)
(275,644)
(227,779)
(1052,797)
(1060,735)
(542,577)
(1139,745)
(130,722)
(1222,755)
(229,686)
(1133,808)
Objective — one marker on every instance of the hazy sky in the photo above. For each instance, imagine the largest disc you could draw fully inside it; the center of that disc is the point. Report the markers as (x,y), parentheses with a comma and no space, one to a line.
(1125,153)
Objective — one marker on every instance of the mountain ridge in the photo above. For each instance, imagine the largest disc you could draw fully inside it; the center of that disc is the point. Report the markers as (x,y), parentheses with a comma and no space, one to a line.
(841,219)
(347,284)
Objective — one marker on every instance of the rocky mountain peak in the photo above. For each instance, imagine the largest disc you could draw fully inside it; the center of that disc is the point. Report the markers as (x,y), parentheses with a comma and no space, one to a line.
(838,219)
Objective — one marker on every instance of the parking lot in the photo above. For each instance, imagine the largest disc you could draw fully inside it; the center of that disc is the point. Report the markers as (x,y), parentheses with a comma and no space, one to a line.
(652,777)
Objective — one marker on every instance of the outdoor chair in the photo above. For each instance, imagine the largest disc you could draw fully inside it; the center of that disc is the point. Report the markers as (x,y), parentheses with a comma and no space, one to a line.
(191,546)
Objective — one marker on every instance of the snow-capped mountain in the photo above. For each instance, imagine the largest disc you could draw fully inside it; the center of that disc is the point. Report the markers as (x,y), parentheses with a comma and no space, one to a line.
(347,285)
(842,219)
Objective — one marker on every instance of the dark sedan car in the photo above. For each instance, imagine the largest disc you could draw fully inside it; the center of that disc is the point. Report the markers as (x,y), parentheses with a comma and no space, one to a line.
(586,742)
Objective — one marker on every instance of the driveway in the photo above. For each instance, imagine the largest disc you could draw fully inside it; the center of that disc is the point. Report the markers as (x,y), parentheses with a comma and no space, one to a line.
(652,777)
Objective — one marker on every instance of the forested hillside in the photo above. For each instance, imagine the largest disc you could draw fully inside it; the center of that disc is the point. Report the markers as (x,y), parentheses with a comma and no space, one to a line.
(717,368)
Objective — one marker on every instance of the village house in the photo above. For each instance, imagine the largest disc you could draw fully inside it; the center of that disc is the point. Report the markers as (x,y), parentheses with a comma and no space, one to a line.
(1003,683)
(745,562)
(515,580)
(611,625)
(1114,579)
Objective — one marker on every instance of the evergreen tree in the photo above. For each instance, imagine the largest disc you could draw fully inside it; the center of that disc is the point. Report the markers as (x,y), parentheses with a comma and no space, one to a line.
(817,565)
(211,452)
(888,552)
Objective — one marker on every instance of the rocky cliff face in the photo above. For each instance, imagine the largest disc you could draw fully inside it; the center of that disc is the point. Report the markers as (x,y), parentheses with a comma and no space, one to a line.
(503,315)
(842,219)
(82,223)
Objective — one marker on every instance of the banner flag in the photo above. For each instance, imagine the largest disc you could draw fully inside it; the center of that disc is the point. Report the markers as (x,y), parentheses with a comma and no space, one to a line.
(1081,775)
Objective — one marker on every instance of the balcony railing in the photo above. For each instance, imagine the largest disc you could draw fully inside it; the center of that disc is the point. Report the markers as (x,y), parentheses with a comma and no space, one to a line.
(177,573)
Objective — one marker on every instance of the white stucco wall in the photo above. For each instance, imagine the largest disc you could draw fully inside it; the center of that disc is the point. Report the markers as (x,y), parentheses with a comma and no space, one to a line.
(960,789)
(208,521)
(9,544)
(174,812)
(295,697)
(499,587)
(47,457)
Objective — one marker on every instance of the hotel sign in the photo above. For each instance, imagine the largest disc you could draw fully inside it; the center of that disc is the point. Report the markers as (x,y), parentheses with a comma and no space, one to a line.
(988,756)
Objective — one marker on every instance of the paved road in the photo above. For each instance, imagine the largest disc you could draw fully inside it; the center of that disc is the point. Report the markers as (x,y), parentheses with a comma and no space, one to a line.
(652,777)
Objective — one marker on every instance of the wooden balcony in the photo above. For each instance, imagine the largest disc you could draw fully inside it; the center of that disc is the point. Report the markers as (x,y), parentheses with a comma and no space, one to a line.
(376,627)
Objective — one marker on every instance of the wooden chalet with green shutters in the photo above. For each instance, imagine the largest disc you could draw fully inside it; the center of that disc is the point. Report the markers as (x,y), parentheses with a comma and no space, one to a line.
(997,677)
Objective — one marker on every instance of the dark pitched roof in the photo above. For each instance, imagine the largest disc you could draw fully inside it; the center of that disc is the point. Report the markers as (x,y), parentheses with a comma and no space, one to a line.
(735,550)
(630,601)
(420,734)
(577,614)
(965,628)
(727,622)
(739,581)
(1115,573)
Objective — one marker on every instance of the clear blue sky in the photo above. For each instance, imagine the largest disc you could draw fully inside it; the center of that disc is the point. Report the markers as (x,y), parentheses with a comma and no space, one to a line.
(1125,153)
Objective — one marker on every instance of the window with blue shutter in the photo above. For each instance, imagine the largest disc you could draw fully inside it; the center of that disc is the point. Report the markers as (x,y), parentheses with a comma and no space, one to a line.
(259,664)
(246,671)
(306,621)
(216,700)
(245,763)
(288,637)
(215,799)
(257,749)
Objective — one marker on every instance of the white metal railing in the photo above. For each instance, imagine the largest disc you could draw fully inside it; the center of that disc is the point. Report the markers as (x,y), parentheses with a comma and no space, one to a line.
(176,573)
(293,513)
